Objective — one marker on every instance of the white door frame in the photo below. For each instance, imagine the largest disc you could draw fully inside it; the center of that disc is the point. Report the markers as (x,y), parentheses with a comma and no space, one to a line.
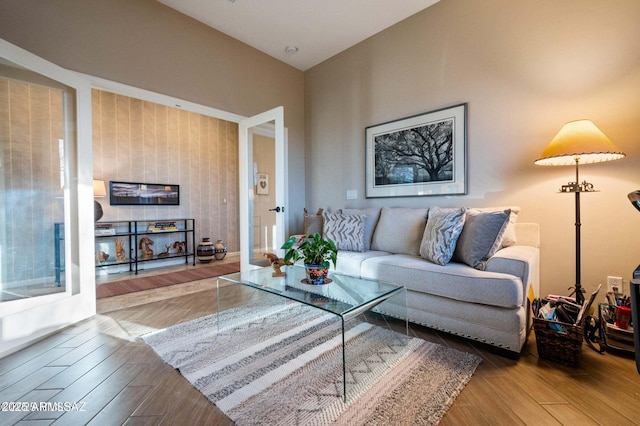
(246,193)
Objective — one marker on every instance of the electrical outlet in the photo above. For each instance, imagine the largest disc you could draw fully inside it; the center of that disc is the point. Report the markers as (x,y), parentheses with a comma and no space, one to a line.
(614,284)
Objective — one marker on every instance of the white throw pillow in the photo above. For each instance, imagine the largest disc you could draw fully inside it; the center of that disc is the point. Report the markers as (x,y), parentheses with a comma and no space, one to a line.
(399,230)
(441,233)
(346,231)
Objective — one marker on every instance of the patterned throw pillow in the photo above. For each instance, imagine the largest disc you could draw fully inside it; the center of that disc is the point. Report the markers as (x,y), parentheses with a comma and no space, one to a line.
(441,234)
(346,231)
(371,216)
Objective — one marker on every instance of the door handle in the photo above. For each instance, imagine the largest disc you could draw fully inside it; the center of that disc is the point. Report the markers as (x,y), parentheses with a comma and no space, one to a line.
(277,209)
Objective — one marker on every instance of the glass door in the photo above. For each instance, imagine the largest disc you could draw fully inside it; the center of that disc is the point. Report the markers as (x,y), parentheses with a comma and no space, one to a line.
(46,200)
(263,210)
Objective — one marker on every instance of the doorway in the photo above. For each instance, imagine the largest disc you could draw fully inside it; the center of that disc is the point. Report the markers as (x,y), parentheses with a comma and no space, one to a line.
(263,213)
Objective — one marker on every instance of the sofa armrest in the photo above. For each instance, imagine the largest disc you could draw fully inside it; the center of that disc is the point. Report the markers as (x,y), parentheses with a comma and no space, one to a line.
(521,261)
(528,234)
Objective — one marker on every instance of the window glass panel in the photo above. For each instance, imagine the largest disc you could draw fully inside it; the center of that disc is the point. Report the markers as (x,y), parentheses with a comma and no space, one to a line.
(32,204)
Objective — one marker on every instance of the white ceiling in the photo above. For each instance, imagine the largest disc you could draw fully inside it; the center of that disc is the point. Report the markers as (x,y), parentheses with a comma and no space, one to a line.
(319,29)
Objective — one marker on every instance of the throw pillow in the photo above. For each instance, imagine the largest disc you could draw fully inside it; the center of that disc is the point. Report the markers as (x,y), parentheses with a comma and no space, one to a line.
(346,231)
(441,233)
(399,230)
(312,222)
(509,237)
(371,216)
(481,236)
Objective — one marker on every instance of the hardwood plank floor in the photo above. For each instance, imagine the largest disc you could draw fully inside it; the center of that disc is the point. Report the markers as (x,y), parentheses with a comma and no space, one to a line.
(117,379)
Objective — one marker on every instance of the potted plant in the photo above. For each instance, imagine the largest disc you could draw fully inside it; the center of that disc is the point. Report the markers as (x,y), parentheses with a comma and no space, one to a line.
(316,254)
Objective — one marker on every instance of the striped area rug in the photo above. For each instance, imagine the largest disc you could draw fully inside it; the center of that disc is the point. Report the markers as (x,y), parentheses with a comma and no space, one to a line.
(282,365)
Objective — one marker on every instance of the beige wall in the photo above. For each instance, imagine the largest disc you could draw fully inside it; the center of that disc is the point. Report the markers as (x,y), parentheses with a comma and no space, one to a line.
(524,68)
(145,44)
(136,141)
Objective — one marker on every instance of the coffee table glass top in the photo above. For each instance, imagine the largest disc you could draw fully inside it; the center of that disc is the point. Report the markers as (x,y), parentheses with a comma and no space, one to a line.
(345,296)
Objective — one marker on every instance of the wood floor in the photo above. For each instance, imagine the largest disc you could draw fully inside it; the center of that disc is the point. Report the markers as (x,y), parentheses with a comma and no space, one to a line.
(116,379)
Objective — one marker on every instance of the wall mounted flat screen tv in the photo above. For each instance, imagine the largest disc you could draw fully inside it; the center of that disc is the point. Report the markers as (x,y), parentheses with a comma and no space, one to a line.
(143,194)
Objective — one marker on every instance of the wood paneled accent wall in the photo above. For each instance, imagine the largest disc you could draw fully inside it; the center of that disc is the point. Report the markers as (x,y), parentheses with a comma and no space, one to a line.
(138,141)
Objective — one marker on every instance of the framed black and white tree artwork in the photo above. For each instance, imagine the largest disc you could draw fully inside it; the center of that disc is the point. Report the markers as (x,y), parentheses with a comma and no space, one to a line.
(418,156)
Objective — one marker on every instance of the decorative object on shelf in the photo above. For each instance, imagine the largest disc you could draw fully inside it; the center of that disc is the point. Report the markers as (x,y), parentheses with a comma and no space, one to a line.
(162,226)
(146,251)
(420,155)
(120,253)
(316,253)
(205,250)
(277,263)
(99,191)
(220,250)
(101,257)
(179,245)
(578,142)
(104,229)
(165,253)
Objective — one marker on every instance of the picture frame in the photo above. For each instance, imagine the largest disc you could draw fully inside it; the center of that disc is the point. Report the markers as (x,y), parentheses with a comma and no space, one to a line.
(262,188)
(421,155)
(143,194)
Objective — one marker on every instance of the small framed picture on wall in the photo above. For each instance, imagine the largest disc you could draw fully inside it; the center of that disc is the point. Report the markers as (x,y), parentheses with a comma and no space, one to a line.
(263,184)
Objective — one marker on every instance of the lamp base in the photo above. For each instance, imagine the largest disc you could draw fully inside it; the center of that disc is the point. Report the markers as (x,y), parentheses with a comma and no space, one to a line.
(97,211)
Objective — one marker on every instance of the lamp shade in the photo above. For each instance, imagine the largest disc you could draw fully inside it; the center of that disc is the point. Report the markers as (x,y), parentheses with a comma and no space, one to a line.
(579,142)
(99,189)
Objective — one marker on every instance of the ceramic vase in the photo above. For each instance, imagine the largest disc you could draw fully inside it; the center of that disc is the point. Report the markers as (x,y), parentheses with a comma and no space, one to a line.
(205,251)
(220,250)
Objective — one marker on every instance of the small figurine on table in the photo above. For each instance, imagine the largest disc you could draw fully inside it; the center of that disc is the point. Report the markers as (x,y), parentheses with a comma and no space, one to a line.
(120,255)
(276,264)
(179,245)
(144,247)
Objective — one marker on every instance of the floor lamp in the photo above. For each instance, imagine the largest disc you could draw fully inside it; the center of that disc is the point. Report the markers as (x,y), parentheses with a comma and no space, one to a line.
(578,142)
(99,191)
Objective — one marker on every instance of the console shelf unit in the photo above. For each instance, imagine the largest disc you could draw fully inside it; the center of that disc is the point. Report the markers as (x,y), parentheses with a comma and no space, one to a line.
(132,231)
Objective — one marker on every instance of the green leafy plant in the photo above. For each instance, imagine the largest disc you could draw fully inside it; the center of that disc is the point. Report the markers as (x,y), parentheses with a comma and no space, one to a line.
(312,249)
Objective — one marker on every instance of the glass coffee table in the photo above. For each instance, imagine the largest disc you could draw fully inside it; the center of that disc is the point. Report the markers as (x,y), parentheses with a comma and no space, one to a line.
(346,296)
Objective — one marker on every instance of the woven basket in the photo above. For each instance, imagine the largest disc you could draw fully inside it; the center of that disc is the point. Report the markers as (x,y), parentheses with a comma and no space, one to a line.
(562,347)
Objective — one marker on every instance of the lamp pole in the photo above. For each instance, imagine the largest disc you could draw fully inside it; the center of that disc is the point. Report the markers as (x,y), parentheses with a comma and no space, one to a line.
(577,188)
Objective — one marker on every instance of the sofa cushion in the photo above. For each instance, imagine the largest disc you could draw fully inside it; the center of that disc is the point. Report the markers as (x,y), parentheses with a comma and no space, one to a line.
(481,236)
(441,233)
(371,216)
(346,231)
(350,262)
(312,222)
(399,230)
(454,280)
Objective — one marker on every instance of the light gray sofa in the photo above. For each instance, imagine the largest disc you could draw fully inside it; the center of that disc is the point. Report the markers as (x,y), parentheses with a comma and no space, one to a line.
(487,303)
